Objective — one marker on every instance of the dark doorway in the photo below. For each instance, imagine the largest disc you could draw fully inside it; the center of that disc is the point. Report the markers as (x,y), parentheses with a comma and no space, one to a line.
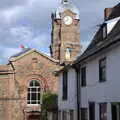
(115,111)
(33,117)
(91,111)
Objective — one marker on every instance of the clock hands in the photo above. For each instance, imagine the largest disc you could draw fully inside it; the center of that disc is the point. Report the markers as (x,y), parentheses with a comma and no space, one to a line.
(67,20)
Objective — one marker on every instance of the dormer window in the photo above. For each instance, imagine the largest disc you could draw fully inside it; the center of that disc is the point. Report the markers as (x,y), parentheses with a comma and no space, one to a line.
(104,31)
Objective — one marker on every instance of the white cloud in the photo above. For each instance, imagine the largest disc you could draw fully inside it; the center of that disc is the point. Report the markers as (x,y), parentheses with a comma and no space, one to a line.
(42,40)
(10,15)
(21,33)
(4,4)
(11,52)
(28,22)
(7,53)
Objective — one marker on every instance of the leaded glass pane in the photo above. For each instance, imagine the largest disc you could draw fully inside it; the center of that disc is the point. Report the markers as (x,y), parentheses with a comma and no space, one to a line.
(33,96)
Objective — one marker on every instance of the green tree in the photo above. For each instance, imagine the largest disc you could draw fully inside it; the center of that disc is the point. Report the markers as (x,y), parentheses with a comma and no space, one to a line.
(49,104)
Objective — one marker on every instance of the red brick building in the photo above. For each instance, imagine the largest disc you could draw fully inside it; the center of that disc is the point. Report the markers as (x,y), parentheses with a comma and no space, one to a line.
(27,74)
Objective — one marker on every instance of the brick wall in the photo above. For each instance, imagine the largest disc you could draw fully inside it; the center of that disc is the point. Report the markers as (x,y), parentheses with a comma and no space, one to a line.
(15,80)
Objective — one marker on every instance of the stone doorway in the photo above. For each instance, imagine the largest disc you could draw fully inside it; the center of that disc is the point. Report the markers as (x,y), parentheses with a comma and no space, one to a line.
(33,117)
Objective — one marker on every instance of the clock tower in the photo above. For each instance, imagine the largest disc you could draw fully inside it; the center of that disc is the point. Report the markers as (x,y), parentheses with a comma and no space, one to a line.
(65,36)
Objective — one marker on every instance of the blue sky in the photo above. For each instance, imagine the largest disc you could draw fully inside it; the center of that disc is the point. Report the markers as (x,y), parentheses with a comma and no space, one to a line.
(28,22)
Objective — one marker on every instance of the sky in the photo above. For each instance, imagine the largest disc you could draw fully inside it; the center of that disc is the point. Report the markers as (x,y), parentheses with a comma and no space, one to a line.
(28,22)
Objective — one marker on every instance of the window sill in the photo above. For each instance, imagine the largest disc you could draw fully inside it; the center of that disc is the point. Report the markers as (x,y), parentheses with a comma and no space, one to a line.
(64,99)
(102,81)
(30,105)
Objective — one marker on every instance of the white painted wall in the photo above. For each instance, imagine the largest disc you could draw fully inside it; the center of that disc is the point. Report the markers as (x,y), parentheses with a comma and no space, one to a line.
(70,103)
(108,91)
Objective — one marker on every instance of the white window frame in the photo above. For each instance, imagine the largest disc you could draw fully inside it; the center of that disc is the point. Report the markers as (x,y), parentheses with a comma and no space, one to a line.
(37,92)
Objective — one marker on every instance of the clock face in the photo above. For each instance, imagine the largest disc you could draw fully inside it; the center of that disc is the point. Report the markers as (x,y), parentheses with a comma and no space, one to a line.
(67,20)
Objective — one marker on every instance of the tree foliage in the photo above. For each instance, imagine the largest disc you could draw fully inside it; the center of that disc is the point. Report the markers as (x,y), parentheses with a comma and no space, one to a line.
(49,104)
(49,101)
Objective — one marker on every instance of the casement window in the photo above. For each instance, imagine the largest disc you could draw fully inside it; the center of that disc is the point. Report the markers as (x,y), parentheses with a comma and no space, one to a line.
(83,76)
(33,95)
(103,111)
(104,31)
(91,111)
(65,85)
(102,70)
(71,114)
(84,114)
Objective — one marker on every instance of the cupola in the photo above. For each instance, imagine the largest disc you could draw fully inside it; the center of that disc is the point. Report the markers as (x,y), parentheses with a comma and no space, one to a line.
(66,5)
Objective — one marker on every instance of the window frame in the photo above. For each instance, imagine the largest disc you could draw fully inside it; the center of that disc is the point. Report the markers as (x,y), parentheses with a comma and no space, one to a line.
(65,85)
(104,31)
(33,93)
(103,111)
(84,113)
(92,110)
(102,70)
(71,114)
(83,76)
(68,51)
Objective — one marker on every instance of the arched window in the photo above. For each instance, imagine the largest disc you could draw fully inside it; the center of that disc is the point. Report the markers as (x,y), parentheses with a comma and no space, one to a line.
(68,53)
(33,96)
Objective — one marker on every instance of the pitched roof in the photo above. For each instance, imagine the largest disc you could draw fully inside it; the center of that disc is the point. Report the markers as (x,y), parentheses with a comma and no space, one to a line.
(22,52)
(98,43)
(28,51)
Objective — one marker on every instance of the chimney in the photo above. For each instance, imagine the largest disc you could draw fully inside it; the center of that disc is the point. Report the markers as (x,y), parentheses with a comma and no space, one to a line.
(107,13)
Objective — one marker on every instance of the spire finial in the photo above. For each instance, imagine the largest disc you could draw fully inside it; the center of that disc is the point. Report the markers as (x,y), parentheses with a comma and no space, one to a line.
(64,1)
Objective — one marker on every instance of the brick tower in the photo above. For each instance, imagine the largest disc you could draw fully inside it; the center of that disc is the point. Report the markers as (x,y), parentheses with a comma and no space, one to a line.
(65,42)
